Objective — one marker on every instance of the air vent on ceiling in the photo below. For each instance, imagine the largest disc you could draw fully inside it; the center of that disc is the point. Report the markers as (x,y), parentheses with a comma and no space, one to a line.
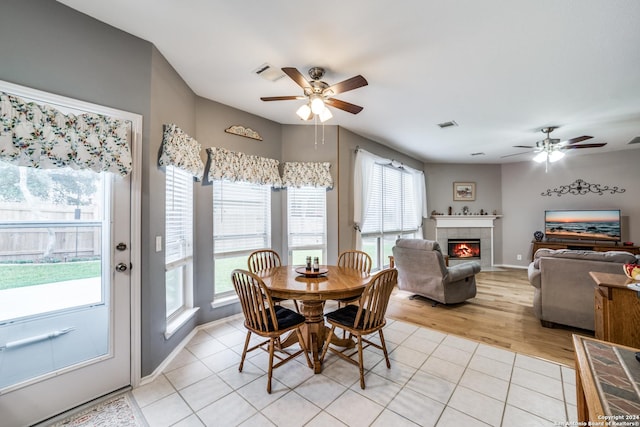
(447,124)
(267,72)
(635,140)
(480,153)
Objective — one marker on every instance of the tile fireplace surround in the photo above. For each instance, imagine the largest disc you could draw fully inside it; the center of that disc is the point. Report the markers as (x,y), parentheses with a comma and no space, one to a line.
(467,227)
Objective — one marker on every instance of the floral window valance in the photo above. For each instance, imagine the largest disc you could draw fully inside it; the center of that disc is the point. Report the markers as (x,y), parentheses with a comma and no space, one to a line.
(181,151)
(307,174)
(233,166)
(39,136)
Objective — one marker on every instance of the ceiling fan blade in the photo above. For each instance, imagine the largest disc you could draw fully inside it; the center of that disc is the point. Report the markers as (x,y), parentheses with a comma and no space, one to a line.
(571,147)
(517,154)
(577,139)
(281,98)
(297,77)
(346,85)
(524,146)
(343,105)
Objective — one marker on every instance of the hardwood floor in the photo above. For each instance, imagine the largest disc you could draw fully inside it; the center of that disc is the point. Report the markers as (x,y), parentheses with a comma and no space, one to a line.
(501,314)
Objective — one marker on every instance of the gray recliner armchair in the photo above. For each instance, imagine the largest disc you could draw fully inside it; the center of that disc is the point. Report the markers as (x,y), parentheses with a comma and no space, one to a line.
(422,270)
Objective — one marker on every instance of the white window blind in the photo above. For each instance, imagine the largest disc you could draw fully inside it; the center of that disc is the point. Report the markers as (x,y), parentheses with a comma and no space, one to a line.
(241,224)
(178,237)
(390,212)
(307,223)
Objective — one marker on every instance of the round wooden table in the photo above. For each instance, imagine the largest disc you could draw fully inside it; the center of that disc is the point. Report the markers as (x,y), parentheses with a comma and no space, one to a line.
(311,293)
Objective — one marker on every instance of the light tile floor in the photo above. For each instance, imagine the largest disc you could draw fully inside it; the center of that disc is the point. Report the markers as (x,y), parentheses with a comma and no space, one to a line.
(435,380)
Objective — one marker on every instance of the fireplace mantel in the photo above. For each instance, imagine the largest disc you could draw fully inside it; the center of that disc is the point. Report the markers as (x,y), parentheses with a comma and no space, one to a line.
(465,221)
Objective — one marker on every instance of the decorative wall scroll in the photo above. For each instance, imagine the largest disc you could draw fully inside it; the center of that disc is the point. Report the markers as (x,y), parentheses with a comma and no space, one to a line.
(580,187)
(243,131)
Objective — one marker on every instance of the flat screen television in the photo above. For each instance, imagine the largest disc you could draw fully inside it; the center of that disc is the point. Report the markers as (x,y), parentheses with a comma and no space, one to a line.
(602,225)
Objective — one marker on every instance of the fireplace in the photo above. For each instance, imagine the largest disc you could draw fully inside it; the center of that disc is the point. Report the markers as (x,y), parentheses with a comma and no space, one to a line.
(463,248)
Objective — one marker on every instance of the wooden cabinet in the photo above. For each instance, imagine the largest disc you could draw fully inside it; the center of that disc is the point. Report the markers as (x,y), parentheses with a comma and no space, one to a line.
(584,246)
(617,309)
(606,391)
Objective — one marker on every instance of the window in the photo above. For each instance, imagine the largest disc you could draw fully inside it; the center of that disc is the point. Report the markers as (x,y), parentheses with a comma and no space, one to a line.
(307,222)
(241,224)
(179,240)
(390,213)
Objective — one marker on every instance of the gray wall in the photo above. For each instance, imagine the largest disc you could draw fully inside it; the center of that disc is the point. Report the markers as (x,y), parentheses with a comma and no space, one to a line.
(523,206)
(172,101)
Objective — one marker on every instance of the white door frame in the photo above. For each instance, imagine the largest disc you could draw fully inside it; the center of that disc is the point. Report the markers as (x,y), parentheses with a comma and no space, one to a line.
(136,202)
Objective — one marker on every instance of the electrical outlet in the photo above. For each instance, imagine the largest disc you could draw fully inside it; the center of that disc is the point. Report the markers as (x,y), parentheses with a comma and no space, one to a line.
(519,257)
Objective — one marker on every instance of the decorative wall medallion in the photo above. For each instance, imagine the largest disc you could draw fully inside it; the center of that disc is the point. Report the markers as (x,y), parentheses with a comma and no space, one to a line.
(580,187)
(243,131)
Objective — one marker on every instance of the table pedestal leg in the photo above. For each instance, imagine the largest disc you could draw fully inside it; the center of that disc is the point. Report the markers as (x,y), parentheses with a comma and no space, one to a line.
(314,330)
(315,333)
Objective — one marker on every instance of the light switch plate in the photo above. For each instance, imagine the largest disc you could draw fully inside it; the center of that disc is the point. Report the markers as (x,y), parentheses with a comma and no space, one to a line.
(158,243)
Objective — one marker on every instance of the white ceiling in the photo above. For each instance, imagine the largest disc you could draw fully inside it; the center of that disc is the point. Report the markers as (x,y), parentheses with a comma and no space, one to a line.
(502,69)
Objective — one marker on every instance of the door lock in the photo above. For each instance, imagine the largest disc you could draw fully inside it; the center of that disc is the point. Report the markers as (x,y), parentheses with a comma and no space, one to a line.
(121,246)
(121,267)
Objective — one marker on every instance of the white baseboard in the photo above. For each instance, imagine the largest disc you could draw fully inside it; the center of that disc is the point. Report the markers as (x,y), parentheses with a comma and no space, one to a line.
(521,267)
(156,373)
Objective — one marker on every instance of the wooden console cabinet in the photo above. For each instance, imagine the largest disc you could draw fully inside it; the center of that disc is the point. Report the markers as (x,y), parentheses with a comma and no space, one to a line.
(584,246)
(617,309)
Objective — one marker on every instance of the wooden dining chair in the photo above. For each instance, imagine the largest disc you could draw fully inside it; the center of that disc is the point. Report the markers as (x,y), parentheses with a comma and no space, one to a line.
(363,319)
(264,318)
(355,259)
(264,259)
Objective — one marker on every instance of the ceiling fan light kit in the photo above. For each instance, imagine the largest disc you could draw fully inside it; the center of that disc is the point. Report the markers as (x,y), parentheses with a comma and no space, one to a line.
(551,150)
(304,112)
(319,94)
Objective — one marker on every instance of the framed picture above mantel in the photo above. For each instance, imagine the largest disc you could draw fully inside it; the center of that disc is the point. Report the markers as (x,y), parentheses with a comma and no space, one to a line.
(464,191)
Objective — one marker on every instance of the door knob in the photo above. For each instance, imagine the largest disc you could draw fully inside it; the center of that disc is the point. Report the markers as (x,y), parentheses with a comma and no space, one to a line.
(121,267)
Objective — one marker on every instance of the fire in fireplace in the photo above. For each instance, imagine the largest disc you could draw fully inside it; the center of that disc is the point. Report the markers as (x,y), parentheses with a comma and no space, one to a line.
(463,248)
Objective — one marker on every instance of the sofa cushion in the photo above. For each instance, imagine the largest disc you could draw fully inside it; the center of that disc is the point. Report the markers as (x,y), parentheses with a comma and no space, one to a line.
(609,256)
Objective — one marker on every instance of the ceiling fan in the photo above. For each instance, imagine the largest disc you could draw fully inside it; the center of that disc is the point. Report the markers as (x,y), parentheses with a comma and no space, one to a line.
(319,94)
(551,149)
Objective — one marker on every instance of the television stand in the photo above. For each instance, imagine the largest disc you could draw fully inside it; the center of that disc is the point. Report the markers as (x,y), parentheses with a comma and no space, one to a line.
(583,246)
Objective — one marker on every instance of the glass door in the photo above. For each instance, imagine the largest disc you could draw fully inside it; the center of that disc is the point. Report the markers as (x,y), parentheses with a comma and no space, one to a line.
(65,289)
(64,304)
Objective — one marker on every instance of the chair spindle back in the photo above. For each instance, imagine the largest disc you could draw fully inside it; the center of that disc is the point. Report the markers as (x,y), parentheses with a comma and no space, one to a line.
(256,302)
(375,299)
(355,259)
(263,259)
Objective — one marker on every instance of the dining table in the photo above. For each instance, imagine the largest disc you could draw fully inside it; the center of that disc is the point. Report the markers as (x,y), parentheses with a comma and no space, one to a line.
(312,289)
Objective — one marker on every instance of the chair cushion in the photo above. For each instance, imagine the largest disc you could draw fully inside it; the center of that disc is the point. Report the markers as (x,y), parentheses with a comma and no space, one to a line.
(286,318)
(347,316)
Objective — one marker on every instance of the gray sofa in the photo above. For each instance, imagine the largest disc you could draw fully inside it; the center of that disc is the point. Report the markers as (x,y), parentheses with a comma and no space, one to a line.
(564,291)
(422,270)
